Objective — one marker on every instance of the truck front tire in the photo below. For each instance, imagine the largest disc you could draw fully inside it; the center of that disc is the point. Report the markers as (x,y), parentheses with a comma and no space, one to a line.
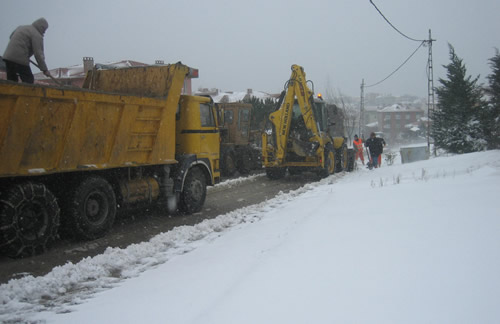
(92,209)
(29,220)
(342,159)
(351,160)
(244,164)
(193,192)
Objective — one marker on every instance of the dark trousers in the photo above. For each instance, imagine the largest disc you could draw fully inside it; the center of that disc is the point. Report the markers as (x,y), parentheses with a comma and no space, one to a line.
(375,160)
(14,70)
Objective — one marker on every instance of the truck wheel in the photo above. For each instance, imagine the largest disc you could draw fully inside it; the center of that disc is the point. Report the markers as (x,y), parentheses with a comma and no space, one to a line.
(229,164)
(29,219)
(275,173)
(92,209)
(329,167)
(194,191)
(351,156)
(342,159)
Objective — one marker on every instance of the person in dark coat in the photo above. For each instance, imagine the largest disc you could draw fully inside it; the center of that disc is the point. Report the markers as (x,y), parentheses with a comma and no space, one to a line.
(376,146)
(26,41)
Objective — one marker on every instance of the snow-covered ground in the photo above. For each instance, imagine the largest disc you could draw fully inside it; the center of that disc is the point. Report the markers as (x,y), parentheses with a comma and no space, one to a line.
(412,243)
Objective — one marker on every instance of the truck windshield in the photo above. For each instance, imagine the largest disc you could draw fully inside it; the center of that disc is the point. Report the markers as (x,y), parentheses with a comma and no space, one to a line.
(243,121)
(296,112)
(207,118)
(244,115)
(319,113)
(228,117)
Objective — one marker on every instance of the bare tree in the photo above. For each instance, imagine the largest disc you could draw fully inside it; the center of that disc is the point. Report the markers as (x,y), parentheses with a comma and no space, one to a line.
(349,111)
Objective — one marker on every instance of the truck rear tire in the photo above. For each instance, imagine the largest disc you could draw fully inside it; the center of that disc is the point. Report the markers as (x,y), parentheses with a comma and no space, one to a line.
(228,164)
(92,209)
(329,167)
(341,159)
(29,220)
(351,160)
(194,191)
(244,162)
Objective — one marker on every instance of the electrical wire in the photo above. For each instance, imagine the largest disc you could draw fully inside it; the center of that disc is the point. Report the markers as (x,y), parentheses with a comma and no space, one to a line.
(399,67)
(380,12)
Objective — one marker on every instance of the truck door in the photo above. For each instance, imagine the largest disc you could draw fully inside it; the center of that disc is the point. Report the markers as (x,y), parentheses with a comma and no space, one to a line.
(209,139)
(197,129)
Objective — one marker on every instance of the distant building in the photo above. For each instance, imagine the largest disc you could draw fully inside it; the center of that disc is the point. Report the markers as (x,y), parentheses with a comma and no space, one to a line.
(75,75)
(370,120)
(235,96)
(395,120)
(371,114)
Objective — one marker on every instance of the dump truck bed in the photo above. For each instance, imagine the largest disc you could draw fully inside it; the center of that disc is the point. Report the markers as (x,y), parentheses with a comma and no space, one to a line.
(57,129)
(48,130)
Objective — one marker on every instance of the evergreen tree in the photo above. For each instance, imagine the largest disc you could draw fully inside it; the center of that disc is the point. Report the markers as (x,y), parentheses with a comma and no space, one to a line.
(261,111)
(456,123)
(491,118)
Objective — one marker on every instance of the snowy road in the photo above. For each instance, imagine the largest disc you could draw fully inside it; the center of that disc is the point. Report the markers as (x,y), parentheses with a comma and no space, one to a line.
(138,226)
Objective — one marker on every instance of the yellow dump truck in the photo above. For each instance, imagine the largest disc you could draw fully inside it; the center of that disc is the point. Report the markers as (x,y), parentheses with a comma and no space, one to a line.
(69,157)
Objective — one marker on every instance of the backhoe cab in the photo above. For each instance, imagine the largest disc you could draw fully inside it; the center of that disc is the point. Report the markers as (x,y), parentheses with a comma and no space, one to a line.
(297,136)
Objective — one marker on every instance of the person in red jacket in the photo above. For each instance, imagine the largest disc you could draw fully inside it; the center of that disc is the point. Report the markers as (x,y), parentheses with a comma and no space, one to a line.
(358,146)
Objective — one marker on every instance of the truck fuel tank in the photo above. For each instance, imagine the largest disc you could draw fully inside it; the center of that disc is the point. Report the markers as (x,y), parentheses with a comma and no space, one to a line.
(139,190)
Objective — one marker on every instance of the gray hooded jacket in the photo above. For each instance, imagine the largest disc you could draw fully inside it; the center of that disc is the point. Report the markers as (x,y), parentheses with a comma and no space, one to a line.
(26,41)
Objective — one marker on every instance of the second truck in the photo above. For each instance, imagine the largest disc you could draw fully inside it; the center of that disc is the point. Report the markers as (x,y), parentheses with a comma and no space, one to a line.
(297,138)
(237,151)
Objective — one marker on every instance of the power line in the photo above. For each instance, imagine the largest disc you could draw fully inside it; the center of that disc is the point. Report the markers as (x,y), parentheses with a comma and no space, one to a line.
(399,67)
(380,12)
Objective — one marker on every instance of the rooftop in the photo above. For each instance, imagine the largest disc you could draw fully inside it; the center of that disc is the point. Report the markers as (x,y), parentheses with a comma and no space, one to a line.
(399,107)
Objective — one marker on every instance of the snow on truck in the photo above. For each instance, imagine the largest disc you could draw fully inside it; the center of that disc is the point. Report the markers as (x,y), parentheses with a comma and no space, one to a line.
(70,157)
(297,138)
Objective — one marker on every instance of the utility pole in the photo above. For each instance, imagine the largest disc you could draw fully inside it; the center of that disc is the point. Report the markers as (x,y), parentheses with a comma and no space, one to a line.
(430,90)
(362,110)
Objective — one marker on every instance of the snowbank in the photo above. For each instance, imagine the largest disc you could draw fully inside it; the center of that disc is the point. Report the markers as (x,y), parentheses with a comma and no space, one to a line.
(412,243)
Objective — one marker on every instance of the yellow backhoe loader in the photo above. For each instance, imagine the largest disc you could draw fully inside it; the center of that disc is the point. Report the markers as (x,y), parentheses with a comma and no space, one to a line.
(297,136)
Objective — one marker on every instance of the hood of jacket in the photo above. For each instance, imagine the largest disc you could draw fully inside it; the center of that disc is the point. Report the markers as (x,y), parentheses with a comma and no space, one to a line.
(41,25)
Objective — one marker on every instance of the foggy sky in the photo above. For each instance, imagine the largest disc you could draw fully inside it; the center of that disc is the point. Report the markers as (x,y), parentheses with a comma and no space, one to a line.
(237,45)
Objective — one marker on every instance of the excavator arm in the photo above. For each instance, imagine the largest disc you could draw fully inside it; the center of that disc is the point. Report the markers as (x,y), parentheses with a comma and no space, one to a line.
(296,89)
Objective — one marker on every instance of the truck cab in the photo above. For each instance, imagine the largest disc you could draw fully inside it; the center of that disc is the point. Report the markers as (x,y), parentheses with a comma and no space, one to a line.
(236,150)
(198,134)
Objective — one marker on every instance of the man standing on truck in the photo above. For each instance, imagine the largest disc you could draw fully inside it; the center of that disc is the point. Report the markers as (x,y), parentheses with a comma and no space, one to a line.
(358,146)
(376,147)
(26,41)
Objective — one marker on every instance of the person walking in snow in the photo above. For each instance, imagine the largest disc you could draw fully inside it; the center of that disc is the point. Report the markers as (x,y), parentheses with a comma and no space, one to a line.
(26,41)
(376,147)
(380,156)
(358,146)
